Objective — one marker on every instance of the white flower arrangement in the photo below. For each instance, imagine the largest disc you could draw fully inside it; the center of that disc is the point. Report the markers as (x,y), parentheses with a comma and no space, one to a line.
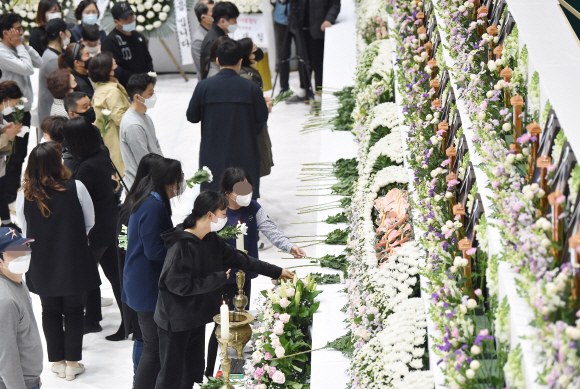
(248,6)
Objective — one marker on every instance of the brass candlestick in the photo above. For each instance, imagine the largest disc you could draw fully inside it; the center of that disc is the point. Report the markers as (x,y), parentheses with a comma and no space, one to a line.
(226,365)
(240,300)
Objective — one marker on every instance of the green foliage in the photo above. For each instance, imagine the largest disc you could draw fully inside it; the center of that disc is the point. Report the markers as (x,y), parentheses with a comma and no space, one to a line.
(347,102)
(344,344)
(213,383)
(202,175)
(229,232)
(282,97)
(337,236)
(337,262)
(378,134)
(335,219)
(323,279)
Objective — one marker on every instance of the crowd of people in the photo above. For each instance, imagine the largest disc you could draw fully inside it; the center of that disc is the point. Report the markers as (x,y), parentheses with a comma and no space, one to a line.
(97,176)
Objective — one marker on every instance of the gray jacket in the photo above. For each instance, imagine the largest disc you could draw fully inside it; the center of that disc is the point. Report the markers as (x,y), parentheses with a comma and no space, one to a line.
(214,69)
(45,99)
(18,65)
(21,357)
(197,40)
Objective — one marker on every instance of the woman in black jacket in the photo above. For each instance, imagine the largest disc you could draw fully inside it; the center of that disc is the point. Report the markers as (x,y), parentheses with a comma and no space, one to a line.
(57,212)
(47,10)
(77,58)
(94,171)
(189,288)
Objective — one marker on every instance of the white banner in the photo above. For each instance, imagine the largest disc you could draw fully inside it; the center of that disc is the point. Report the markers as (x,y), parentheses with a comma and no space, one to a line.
(251,26)
(183,34)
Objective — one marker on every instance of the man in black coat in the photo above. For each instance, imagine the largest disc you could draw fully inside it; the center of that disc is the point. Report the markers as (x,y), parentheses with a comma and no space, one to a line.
(225,21)
(129,48)
(310,19)
(232,111)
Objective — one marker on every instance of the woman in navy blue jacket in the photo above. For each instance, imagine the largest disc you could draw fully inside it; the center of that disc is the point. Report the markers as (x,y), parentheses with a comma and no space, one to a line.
(150,216)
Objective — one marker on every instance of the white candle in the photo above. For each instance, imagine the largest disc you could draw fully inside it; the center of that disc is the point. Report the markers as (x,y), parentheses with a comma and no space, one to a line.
(240,239)
(225,322)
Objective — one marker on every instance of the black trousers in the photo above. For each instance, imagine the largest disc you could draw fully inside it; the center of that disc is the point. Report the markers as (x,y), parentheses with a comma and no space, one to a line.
(15,160)
(316,56)
(4,208)
(107,258)
(229,290)
(63,344)
(149,364)
(182,358)
(283,48)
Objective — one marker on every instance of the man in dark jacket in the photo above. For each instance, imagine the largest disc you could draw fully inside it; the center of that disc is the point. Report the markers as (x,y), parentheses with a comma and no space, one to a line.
(225,21)
(129,48)
(232,111)
(309,19)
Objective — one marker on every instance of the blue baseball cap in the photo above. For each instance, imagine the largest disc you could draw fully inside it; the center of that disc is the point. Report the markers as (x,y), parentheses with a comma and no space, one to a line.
(10,237)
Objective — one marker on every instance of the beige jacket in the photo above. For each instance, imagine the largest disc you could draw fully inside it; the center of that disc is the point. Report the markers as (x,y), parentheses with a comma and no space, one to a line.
(111,96)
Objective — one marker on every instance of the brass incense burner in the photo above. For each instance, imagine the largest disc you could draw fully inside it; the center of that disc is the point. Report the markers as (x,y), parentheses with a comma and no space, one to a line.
(240,330)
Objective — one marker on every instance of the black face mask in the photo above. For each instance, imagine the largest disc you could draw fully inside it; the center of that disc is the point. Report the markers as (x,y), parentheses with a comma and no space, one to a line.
(259,55)
(89,115)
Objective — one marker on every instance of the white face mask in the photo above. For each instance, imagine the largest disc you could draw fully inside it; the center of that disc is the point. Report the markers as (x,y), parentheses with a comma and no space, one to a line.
(244,201)
(181,187)
(44,140)
(221,223)
(65,42)
(232,28)
(55,15)
(7,110)
(93,50)
(19,265)
(150,102)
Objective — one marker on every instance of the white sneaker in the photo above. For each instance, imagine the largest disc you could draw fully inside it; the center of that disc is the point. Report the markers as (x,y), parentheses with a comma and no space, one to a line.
(59,369)
(72,372)
(105,301)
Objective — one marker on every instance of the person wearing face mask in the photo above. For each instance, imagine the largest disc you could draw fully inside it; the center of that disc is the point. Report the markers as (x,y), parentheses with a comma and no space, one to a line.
(203,11)
(225,15)
(47,11)
(137,133)
(77,58)
(129,48)
(94,171)
(236,186)
(21,357)
(109,95)
(57,212)
(199,262)
(18,62)
(90,38)
(87,14)
(146,251)
(10,95)
(60,83)
(57,37)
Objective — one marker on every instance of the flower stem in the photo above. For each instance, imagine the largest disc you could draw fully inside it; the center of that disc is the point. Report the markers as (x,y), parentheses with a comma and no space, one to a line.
(303,352)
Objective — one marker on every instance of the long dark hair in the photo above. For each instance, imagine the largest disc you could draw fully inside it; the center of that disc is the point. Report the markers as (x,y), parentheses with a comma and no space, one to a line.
(232,176)
(45,170)
(70,54)
(212,56)
(163,172)
(81,137)
(247,49)
(207,201)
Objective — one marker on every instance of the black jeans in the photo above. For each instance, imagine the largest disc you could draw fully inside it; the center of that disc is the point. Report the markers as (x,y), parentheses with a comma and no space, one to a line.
(283,48)
(149,364)
(63,344)
(15,160)
(182,358)
(107,258)
(230,290)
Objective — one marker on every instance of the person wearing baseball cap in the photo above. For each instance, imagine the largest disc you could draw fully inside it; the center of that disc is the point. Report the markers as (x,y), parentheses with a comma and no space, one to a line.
(21,356)
(129,48)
